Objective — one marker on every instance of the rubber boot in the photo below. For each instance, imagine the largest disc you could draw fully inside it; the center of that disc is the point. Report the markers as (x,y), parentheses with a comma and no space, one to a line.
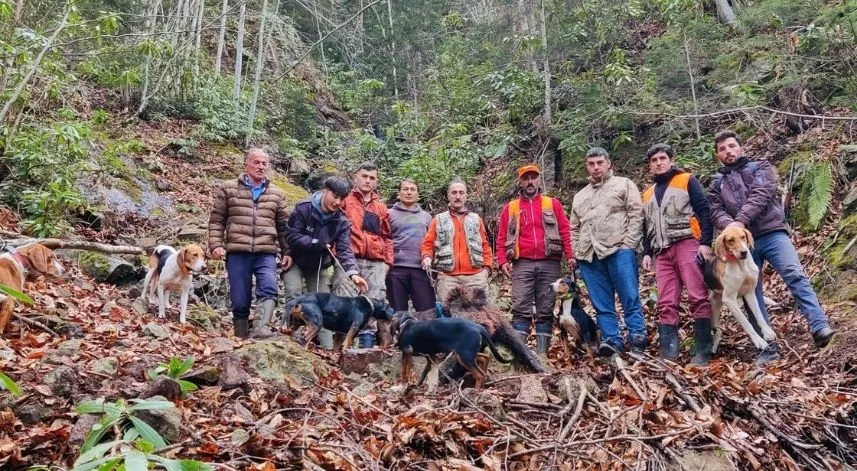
(266,312)
(366,340)
(240,327)
(669,341)
(544,331)
(702,341)
(523,330)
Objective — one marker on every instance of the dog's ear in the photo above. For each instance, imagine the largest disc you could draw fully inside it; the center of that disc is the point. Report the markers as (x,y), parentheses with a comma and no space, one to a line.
(750,242)
(180,260)
(38,255)
(720,247)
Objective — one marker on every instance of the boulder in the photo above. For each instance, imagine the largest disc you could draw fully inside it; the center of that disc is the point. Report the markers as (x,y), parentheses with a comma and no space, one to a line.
(106,269)
(168,422)
(274,359)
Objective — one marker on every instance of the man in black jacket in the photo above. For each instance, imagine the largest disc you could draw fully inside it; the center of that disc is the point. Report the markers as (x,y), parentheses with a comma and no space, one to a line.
(315,227)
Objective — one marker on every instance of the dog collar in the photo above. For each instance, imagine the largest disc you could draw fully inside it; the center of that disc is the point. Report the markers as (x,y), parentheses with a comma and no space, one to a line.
(565,296)
(729,257)
(24,261)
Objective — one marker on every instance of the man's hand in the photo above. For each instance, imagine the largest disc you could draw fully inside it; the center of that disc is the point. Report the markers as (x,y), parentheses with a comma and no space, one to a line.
(286,262)
(738,224)
(427,263)
(647,262)
(506,268)
(704,251)
(360,283)
(572,263)
(218,253)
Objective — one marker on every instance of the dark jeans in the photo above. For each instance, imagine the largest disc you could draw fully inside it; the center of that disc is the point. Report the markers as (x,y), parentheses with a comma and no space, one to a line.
(241,267)
(531,282)
(409,282)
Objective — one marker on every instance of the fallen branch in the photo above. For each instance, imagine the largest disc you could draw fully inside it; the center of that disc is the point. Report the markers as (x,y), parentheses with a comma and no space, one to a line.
(622,367)
(581,399)
(641,438)
(690,401)
(778,433)
(74,244)
(36,323)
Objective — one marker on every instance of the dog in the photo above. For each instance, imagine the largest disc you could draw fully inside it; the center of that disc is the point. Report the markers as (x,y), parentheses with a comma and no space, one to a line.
(436,337)
(473,304)
(730,274)
(345,316)
(15,265)
(573,320)
(172,270)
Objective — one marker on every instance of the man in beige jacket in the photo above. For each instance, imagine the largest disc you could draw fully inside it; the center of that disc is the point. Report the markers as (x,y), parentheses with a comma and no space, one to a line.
(606,230)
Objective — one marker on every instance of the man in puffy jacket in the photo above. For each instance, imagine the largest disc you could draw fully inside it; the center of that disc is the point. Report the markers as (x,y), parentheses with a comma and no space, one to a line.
(407,280)
(606,228)
(532,238)
(372,247)
(316,227)
(247,225)
(745,195)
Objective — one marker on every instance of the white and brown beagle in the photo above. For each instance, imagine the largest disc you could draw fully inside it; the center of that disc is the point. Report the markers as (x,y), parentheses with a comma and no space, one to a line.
(172,270)
(732,273)
(30,259)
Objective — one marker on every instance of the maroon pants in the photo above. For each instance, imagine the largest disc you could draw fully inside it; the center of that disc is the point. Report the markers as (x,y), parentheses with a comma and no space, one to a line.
(676,267)
(409,282)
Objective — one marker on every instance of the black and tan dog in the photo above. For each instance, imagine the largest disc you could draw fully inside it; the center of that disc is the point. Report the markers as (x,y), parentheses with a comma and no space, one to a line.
(435,338)
(573,321)
(344,316)
(473,304)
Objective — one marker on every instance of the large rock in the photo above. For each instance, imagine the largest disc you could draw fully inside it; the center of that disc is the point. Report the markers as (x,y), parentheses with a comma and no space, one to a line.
(106,269)
(274,359)
(168,422)
(63,381)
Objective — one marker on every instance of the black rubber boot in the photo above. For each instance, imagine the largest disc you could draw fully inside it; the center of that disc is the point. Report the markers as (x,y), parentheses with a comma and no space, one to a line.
(702,341)
(240,327)
(544,331)
(669,341)
(522,329)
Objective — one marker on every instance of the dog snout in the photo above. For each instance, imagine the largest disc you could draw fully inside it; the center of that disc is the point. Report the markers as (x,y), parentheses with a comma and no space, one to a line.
(743,254)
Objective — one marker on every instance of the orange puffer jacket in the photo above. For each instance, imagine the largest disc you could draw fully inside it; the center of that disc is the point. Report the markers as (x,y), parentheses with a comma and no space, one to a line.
(371,238)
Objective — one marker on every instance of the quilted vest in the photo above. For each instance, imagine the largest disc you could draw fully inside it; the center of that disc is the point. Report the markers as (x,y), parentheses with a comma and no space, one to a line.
(444,258)
(672,220)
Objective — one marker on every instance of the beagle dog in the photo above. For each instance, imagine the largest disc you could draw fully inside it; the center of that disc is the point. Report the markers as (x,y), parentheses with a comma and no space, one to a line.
(575,325)
(172,270)
(30,259)
(732,273)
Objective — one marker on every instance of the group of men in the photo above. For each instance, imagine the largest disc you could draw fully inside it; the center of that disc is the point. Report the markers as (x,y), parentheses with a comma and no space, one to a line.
(407,256)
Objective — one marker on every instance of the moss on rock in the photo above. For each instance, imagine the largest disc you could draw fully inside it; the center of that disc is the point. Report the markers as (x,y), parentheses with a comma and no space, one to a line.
(274,359)
(294,193)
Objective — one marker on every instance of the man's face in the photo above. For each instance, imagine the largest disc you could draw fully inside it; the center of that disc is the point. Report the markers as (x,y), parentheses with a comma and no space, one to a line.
(529,183)
(457,196)
(330,202)
(728,151)
(366,181)
(256,166)
(597,166)
(660,163)
(408,193)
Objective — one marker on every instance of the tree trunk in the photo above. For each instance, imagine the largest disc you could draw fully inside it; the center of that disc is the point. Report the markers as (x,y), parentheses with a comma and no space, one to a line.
(239,53)
(725,12)
(393,49)
(19,7)
(546,67)
(260,62)
(221,37)
(692,86)
(151,22)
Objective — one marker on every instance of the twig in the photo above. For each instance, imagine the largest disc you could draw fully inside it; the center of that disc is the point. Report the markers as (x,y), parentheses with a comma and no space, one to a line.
(778,433)
(621,366)
(36,323)
(73,244)
(581,399)
(641,438)
(376,408)
(690,401)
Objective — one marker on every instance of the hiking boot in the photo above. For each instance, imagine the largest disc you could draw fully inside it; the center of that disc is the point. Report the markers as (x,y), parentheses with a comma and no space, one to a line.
(240,327)
(768,355)
(607,349)
(702,341)
(822,336)
(668,341)
(266,312)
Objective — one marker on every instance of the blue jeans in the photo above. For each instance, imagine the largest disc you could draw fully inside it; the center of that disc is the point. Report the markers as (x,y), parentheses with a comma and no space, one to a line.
(240,269)
(604,278)
(776,248)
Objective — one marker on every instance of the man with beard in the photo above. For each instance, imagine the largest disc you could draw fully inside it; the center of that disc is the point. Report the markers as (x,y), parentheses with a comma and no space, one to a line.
(456,245)
(532,238)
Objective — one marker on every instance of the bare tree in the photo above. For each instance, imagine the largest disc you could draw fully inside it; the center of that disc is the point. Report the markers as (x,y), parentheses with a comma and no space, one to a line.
(725,12)
(545,65)
(221,38)
(260,62)
(239,52)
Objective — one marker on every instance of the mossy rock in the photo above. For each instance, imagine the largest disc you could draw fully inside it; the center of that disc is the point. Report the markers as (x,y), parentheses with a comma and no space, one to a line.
(274,359)
(294,193)
(105,269)
(206,317)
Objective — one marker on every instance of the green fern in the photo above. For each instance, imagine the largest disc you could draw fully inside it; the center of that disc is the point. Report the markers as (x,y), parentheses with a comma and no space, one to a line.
(821,184)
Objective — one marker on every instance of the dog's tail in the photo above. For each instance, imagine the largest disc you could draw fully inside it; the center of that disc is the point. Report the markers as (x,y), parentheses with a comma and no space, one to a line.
(487,340)
(287,311)
(507,336)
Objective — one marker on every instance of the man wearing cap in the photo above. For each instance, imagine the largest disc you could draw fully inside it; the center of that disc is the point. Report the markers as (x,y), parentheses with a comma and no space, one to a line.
(606,227)
(533,236)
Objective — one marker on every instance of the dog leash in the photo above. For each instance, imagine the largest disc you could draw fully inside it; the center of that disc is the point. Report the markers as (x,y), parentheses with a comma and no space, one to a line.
(438,306)
(336,260)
